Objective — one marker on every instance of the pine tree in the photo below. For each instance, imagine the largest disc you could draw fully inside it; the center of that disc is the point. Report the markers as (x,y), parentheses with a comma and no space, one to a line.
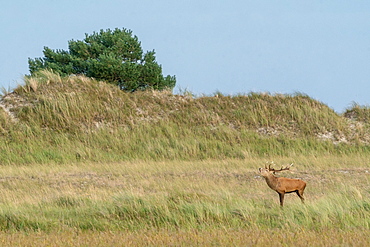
(114,56)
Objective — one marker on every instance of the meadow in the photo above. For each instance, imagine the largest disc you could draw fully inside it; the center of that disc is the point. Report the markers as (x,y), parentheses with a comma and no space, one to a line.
(178,203)
(85,164)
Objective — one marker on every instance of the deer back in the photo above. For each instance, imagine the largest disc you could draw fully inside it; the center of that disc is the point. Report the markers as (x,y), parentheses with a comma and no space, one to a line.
(290,184)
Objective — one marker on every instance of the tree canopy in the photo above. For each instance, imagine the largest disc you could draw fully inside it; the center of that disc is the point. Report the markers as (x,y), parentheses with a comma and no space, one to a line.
(114,56)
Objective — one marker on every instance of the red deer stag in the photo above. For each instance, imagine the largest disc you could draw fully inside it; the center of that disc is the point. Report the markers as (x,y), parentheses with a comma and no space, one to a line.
(283,185)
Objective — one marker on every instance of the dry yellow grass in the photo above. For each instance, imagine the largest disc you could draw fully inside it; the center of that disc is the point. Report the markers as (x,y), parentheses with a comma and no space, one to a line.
(79,204)
(227,237)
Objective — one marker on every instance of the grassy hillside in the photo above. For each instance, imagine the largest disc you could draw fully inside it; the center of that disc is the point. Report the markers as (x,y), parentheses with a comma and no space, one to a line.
(157,169)
(53,119)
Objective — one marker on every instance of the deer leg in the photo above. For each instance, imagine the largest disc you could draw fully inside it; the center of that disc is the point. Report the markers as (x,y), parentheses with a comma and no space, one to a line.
(300,194)
(281,197)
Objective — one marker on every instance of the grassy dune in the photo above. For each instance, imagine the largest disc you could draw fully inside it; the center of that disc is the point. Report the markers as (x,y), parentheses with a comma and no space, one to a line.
(76,119)
(85,164)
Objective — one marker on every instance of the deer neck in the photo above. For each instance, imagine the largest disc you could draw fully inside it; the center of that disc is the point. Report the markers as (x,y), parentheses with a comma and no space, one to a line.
(272,181)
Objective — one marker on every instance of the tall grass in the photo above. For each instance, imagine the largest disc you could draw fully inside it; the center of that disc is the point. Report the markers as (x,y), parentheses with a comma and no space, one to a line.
(359,113)
(204,197)
(71,119)
(23,145)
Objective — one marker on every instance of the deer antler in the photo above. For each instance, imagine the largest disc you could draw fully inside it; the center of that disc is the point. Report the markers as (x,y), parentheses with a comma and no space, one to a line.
(281,169)
(269,167)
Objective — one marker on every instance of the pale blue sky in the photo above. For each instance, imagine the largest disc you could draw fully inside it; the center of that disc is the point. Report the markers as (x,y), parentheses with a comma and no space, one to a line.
(320,48)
